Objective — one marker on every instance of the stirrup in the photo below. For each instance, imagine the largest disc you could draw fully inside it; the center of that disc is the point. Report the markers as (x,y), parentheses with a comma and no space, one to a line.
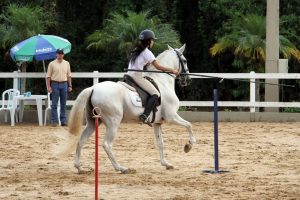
(145,119)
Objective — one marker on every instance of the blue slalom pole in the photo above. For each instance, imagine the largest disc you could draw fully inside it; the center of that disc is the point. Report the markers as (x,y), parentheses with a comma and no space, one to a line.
(216,138)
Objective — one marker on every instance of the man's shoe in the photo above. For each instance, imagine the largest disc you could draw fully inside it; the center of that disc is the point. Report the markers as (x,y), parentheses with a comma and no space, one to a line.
(64,125)
(54,125)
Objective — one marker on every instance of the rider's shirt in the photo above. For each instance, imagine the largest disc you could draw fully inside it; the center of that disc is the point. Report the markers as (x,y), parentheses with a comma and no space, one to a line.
(143,59)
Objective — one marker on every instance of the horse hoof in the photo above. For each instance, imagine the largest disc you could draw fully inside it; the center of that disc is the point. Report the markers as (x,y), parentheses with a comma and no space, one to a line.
(169,167)
(129,171)
(89,170)
(85,172)
(187,147)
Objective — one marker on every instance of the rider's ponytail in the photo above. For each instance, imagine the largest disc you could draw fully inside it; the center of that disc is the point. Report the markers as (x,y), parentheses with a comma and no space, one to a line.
(137,49)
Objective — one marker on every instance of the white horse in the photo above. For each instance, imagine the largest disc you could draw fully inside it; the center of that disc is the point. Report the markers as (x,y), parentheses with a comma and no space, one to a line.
(114,101)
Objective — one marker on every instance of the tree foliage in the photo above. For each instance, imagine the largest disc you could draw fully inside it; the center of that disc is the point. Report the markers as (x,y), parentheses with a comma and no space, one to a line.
(122,30)
(246,39)
(199,24)
(21,22)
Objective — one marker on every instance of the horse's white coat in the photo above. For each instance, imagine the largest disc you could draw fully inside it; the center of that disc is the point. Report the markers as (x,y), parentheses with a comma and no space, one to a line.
(116,106)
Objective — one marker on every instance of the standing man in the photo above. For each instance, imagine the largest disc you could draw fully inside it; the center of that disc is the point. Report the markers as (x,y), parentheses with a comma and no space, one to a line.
(59,83)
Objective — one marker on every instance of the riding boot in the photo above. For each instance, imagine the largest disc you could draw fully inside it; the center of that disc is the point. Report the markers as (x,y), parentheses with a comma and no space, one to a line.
(148,108)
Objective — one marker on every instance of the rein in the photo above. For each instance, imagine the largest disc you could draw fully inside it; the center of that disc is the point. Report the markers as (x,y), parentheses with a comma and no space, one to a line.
(241,80)
(206,76)
(151,71)
(183,72)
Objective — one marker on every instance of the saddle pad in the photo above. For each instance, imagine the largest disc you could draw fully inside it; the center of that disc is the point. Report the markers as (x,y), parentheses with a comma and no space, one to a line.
(135,98)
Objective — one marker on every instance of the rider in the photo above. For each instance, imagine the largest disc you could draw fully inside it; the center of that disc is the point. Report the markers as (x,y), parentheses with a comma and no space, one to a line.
(141,56)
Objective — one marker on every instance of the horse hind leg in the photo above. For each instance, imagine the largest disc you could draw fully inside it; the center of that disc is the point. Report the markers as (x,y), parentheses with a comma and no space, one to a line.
(111,132)
(87,132)
(160,144)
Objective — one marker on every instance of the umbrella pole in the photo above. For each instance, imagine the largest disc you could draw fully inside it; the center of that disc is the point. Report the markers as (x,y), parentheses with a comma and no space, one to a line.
(45,75)
(44,66)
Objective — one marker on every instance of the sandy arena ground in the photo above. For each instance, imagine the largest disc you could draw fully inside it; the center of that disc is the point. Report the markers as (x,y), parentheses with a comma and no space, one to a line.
(263,160)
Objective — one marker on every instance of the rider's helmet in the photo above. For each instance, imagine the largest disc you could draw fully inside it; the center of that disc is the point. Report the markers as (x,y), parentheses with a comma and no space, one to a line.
(146,35)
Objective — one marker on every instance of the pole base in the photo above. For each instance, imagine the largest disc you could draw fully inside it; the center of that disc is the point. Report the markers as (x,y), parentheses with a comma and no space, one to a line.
(215,171)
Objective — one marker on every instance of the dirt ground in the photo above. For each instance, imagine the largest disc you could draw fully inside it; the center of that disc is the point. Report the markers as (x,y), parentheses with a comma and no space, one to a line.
(263,160)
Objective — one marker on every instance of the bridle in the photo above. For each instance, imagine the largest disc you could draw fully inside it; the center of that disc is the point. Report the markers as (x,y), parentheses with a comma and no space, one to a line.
(184,79)
(181,64)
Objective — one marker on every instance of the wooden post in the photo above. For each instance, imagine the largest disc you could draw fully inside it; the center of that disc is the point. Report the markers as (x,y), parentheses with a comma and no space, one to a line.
(272,52)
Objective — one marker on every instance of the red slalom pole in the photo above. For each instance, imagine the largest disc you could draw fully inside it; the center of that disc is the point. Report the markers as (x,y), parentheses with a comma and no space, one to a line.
(96,116)
(96,158)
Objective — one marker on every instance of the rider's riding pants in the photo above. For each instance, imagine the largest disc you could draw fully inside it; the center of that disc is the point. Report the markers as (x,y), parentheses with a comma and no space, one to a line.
(145,84)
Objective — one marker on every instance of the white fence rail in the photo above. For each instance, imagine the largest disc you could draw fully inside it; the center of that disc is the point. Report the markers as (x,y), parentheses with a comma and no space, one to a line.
(252,76)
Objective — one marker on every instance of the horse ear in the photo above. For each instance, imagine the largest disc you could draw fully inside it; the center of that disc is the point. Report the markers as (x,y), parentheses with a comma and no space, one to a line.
(170,48)
(181,50)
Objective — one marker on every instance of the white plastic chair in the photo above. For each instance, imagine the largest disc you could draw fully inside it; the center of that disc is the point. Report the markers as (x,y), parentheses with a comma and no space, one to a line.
(48,109)
(11,105)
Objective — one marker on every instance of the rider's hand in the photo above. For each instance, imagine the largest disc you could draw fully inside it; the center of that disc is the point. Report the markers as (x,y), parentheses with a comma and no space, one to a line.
(175,72)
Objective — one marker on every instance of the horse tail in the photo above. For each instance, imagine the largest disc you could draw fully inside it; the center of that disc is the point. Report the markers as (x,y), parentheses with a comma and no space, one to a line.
(74,124)
(77,111)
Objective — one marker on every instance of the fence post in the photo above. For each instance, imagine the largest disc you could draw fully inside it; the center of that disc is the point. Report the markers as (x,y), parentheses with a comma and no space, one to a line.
(95,77)
(252,91)
(16,80)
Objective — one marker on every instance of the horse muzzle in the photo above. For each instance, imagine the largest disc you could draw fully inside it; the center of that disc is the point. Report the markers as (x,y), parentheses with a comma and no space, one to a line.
(184,80)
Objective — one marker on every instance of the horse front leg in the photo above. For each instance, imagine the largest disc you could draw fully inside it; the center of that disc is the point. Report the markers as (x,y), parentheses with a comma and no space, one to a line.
(178,120)
(160,144)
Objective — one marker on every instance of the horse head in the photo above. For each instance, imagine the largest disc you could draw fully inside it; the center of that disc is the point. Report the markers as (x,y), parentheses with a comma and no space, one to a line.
(181,66)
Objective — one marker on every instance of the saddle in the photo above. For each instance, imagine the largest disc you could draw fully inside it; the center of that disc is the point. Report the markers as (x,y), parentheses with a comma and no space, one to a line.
(142,93)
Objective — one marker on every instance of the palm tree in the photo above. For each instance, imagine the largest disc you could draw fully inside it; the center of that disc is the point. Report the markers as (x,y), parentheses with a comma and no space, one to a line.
(23,22)
(20,23)
(246,39)
(121,30)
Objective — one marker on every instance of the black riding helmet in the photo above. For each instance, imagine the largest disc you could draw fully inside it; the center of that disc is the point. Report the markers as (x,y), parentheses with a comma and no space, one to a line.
(146,35)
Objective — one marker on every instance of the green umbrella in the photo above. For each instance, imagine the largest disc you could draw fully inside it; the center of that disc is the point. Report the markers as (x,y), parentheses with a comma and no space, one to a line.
(40,47)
